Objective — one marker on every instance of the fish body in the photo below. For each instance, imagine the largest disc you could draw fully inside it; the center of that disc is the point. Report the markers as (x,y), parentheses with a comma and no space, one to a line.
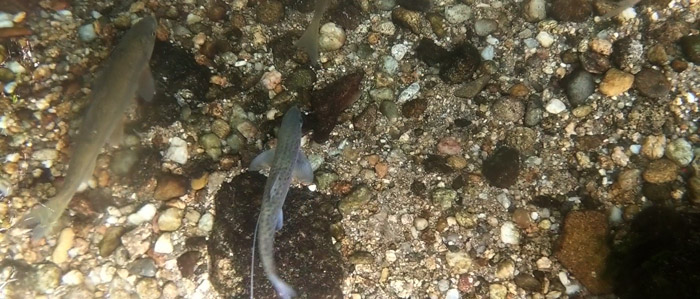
(309,40)
(286,161)
(125,74)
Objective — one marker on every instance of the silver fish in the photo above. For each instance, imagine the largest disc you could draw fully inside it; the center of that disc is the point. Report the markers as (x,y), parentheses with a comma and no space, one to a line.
(125,75)
(285,161)
(309,40)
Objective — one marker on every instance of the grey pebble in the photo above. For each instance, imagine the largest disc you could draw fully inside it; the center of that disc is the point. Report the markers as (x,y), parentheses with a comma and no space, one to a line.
(579,85)
(145,267)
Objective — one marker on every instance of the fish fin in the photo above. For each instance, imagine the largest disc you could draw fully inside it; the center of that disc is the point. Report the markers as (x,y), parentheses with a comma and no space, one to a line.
(43,218)
(284,290)
(252,260)
(147,87)
(263,160)
(302,169)
(280,220)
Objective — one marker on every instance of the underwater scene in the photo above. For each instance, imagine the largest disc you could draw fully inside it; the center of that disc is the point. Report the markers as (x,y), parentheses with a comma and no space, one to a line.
(359,149)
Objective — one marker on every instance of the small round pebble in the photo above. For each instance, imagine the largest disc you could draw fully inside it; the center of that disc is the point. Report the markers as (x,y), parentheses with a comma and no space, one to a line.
(73,277)
(616,82)
(680,151)
(535,10)
(420,223)
(545,39)
(331,37)
(87,32)
(144,214)
(510,233)
(147,288)
(484,27)
(170,219)
(555,106)
(164,244)
(409,93)
(653,147)
(452,294)
(206,222)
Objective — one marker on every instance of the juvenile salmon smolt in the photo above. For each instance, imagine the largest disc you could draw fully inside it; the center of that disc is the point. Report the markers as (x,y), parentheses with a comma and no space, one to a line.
(287,161)
(125,75)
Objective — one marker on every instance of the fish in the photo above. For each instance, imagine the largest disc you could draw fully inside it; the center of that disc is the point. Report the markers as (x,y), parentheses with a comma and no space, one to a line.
(622,5)
(286,161)
(126,74)
(308,41)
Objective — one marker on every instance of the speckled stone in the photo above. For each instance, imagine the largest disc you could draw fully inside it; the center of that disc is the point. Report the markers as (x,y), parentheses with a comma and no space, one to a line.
(680,151)
(652,83)
(269,12)
(408,19)
(443,197)
(355,200)
(616,82)
(508,109)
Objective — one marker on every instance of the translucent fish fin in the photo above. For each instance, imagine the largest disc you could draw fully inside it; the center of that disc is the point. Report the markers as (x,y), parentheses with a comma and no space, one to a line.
(284,290)
(280,220)
(147,87)
(302,169)
(263,160)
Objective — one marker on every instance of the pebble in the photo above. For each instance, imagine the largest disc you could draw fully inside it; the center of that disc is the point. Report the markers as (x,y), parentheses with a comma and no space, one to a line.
(45,154)
(145,267)
(535,10)
(331,37)
(459,262)
(444,197)
(390,65)
(465,219)
(170,219)
(63,244)
(170,186)
(510,233)
(452,294)
(408,19)
(144,214)
(164,244)
(472,88)
(177,152)
(508,109)
(459,13)
(488,53)
(571,10)
(555,106)
(484,27)
(73,278)
(522,139)
(170,291)
(502,168)
(361,257)
(385,4)
(660,171)
(110,241)
(497,291)
(657,55)
(628,55)
(545,39)
(47,278)
(579,85)
(654,147)
(409,93)
(389,110)
(616,82)
(449,146)
(505,269)
(544,263)
(220,128)
(355,200)
(269,12)
(398,51)
(691,48)
(206,222)
(87,33)
(420,223)
(652,83)
(680,151)
(147,288)
(193,19)
(211,144)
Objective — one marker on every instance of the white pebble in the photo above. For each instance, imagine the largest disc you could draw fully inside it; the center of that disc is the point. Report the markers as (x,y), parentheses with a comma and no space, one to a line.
(144,214)
(636,148)
(615,215)
(390,256)
(409,93)
(163,244)
(87,32)
(545,39)
(420,223)
(555,106)
(488,52)
(452,294)
(10,87)
(331,37)
(15,67)
(399,51)
(509,233)
(73,277)
(177,152)
(458,13)
(544,263)
(206,222)
(193,19)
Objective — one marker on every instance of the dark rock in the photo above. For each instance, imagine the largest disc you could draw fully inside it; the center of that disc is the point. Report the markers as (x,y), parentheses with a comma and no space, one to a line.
(652,83)
(436,163)
(329,102)
(430,52)
(571,10)
(414,108)
(463,62)
(187,261)
(418,188)
(366,119)
(415,5)
(691,48)
(502,168)
(594,63)
(527,282)
(583,249)
(304,253)
(305,6)
(145,267)
(587,143)
(283,49)
(347,15)
(658,193)
(658,258)
(579,85)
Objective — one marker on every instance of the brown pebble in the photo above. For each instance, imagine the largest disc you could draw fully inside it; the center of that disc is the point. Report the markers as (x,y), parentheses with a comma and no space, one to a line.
(170,186)
(407,18)
(449,146)
(660,171)
(571,10)
(269,12)
(519,90)
(381,169)
(616,82)
(679,65)
(414,108)
(652,83)
(521,217)
(657,54)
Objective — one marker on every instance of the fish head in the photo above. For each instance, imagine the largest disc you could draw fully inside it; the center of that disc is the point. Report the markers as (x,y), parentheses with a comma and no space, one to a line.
(292,117)
(144,32)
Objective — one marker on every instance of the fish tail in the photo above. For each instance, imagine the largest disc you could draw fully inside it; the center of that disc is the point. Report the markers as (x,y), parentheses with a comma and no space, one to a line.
(284,290)
(252,260)
(43,218)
